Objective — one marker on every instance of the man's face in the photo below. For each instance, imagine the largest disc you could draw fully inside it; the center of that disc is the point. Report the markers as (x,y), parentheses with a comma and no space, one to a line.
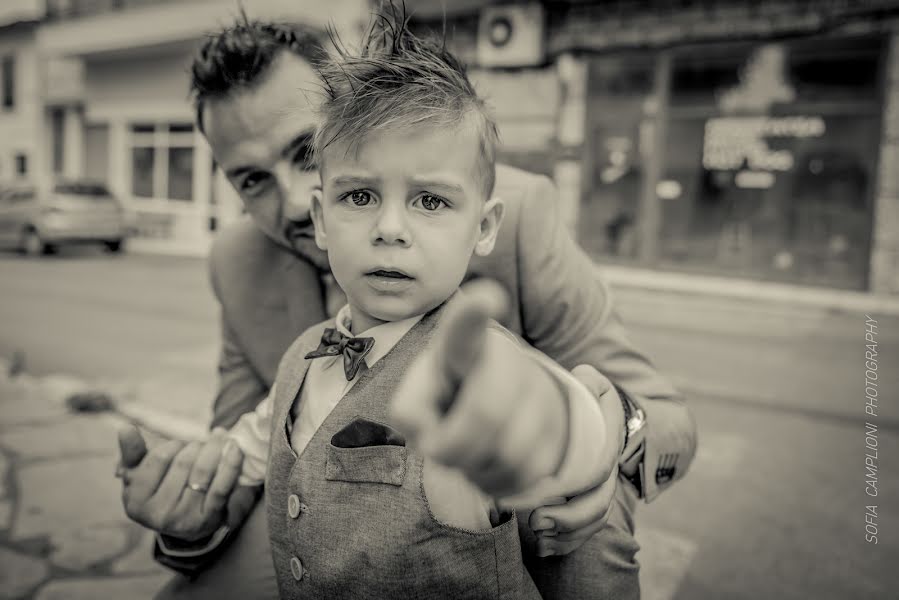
(259,138)
(400,216)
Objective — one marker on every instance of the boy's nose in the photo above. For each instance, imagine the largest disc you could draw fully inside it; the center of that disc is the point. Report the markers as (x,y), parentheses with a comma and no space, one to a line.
(391,227)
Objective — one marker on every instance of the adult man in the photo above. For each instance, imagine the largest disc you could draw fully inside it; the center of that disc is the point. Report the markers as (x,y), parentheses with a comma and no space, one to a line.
(254,84)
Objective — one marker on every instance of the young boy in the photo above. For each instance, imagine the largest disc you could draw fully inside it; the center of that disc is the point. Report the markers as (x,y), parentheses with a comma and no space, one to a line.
(368,491)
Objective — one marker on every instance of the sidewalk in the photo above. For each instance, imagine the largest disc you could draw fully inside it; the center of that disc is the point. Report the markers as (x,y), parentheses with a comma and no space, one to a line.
(63,532)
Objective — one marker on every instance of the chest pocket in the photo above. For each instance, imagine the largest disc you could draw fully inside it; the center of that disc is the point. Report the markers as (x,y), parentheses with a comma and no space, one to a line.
(366,451)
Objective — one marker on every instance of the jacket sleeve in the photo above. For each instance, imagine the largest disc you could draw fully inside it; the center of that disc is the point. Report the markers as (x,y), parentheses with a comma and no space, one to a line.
(240,386)
(568,313)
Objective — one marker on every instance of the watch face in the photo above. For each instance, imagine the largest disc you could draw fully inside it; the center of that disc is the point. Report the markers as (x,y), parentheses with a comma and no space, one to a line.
(636,422)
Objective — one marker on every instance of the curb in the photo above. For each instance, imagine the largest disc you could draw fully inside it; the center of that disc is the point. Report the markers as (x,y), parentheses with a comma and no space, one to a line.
(752,291)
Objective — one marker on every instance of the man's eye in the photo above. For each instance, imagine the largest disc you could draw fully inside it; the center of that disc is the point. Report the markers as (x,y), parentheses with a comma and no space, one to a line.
(360,198)
(254,181)
(429,202)
(303,160)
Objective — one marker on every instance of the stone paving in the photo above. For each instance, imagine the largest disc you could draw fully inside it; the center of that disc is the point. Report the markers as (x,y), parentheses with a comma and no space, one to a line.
(63,532)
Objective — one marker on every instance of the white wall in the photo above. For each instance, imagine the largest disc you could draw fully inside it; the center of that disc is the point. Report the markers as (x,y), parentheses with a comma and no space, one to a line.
(21,127)
(20,10)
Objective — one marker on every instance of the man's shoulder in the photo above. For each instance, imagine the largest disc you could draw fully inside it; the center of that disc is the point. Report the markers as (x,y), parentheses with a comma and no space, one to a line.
(240,240)
(512,182)
(242,255)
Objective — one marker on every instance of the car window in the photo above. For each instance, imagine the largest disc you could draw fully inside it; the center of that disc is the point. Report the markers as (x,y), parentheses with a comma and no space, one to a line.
(17,196)
(82,189)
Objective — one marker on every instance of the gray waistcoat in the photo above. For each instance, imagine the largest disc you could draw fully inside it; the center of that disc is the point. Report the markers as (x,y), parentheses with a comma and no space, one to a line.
(348,518)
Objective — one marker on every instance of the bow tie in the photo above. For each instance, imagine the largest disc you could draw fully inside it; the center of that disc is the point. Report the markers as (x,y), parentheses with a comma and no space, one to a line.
(353,350)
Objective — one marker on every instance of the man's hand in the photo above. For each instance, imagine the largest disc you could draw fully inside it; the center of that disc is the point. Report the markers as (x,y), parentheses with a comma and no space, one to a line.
(562,527)
(178,489)
(476,402)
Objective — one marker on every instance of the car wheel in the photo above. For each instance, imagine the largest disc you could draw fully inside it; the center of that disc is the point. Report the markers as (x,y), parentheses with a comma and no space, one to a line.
(32,244)
(114,246)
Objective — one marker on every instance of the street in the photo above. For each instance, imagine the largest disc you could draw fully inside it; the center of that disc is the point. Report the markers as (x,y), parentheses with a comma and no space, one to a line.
(773,507)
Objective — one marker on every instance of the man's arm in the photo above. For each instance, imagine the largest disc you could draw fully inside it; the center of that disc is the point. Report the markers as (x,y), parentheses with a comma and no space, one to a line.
(240,391)
(568,313)
(240,387)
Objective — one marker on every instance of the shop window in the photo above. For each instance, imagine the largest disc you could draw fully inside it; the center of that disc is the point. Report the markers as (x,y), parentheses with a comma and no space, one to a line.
(8,81)
(142,168)
(180,173)
(619,87)
(162,161)
(57,131)
(21,164)
(769,168)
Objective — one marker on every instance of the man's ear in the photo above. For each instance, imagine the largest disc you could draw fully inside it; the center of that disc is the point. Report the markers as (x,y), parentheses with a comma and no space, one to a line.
(318,220)
(491,219)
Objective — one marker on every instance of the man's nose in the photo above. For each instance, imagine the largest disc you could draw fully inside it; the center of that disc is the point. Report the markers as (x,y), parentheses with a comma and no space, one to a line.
(391,226)
(293,193)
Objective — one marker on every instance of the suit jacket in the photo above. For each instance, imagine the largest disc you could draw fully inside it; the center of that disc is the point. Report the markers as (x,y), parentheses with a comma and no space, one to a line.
(561,306)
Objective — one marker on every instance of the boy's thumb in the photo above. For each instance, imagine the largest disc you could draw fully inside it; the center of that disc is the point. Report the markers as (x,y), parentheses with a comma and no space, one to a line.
(132,446)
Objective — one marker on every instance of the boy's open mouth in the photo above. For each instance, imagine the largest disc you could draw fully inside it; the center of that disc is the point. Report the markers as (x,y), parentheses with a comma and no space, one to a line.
(389,273)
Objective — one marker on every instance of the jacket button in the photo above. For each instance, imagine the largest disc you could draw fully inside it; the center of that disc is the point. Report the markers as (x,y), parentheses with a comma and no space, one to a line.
(293,506)
(296,568)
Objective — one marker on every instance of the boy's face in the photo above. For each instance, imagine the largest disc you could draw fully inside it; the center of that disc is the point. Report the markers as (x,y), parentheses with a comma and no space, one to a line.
(400,216)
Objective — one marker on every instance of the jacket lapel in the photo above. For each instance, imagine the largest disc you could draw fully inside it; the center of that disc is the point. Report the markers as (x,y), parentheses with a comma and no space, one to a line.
(304,295)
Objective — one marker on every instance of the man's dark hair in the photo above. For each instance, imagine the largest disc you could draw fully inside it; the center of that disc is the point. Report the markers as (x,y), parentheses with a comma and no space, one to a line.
(238,57)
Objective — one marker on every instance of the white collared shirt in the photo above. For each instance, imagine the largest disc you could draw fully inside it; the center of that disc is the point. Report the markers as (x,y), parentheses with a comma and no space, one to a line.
(323,388)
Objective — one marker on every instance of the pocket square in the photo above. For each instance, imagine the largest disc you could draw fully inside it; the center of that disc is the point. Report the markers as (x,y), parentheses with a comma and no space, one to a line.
(363,432)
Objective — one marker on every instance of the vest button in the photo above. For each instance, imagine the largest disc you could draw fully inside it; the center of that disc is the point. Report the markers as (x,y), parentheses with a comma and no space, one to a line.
(296,568)
(293,506)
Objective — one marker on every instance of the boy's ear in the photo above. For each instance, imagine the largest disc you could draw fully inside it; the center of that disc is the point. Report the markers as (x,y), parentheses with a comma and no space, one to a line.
(318,221)
(491,219)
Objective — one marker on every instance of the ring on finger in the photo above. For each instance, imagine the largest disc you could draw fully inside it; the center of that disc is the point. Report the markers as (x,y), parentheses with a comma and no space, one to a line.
(198,487)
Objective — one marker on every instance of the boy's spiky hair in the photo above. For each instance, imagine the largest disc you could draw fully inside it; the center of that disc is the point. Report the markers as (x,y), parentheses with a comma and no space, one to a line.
(397,82)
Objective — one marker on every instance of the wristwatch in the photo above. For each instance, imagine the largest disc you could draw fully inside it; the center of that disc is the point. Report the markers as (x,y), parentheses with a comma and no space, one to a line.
(631,459)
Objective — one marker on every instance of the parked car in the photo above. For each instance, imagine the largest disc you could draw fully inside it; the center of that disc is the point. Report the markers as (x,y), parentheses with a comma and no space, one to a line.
(38,219)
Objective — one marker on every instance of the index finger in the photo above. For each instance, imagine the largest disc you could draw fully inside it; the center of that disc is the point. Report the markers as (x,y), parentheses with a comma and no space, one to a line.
(225,478)
(460,337)
(146,477)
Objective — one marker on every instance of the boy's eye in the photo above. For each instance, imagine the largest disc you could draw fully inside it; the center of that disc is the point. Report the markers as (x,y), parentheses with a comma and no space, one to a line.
(429,202)
(360,198)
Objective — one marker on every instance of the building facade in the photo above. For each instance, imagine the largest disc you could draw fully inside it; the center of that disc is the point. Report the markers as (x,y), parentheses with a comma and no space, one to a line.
(731,138)
(21,118)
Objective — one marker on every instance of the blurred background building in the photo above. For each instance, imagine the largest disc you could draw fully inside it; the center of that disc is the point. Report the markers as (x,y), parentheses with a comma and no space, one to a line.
(755,140)
(98,89)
